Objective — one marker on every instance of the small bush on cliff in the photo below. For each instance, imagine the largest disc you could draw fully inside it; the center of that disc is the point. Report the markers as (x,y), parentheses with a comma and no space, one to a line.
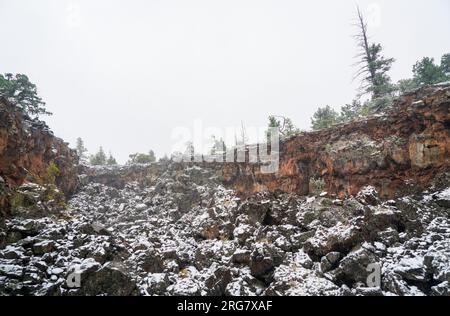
(51,173)
(284,125)
(17,200)
(48,181)
(316,186)
(324,118)
(142,158)
(40,194)
(22,92)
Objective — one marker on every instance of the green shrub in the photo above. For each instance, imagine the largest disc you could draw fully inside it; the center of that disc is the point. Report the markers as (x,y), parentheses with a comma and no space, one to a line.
(17,200)
(316,186)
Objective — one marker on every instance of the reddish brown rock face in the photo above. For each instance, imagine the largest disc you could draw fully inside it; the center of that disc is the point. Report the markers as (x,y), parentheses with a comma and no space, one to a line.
(408,145)
(402,151)
(27,148)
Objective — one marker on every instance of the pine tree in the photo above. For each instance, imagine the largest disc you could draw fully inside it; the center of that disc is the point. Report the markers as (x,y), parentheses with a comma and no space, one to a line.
(139,158)
(80,149)
(373,67)
(351,111)
(324,118)
(111,160)
(445,65)
(23,93)
(284,125)
(99,159)
(407,85)
(427,72)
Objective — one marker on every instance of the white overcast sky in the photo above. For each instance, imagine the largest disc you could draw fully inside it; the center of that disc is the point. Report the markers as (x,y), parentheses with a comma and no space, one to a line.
(124,74)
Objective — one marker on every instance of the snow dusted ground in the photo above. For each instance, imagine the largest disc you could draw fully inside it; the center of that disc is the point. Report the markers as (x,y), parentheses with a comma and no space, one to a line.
(188,235)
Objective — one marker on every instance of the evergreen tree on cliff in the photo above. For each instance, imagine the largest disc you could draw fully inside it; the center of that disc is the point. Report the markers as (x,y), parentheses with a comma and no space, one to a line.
(427,72)
(284,124)
(99,159)
(324,118)
(373,66)
(23,93)
(111,160)
(81,150)
(445,65)
(140,158)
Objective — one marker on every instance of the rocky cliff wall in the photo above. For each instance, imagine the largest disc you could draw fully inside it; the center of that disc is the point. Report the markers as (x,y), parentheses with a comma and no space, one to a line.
(27,147)
(397,153)
(405,149)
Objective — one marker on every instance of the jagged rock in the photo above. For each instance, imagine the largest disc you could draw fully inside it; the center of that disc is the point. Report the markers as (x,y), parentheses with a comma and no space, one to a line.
(94,229)
(11,270)
(206,227)
(296,281)
(394,283)
(239,287)
(302,259)
(141,207)
(264,259)
(156,283)
(368,291)
(388,237)
(443,198)
(12,252)
(28,227)
(329,261)
(43,247)
(412,269)
(111,279)
(353,268)
(368,195)
(242,233)
(241,256)
(3,239)
(442,289)
(318,247)
(217,281)
(185,287)
(340,238)
(255,212)
(153,263)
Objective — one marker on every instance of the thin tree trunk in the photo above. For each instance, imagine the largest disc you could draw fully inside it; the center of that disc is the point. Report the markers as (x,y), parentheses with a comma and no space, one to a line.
(367,52)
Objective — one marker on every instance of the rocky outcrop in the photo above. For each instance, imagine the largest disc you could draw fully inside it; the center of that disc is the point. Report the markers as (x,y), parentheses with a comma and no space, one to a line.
(187,234)
(227,229)
(27,147)
(400,151)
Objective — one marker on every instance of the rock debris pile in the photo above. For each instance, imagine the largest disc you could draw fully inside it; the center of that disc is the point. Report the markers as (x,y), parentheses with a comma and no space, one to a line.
(189,235)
